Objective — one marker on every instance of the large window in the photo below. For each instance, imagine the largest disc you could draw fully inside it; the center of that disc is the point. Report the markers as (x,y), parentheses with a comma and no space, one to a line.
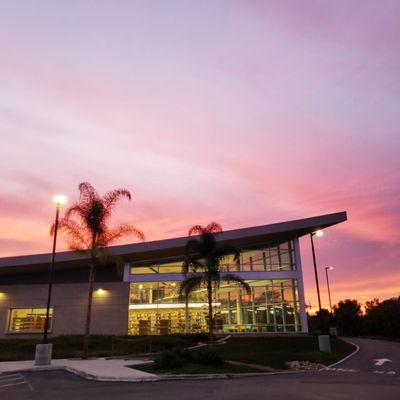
(28,320)
(175,267)
(275,258)
(272,306)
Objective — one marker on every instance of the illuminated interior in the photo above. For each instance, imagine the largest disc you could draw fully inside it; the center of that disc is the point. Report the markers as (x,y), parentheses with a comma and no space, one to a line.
(272,306)
(28,320)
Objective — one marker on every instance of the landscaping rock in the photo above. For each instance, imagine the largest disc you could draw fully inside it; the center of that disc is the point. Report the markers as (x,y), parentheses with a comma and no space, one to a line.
(304,366)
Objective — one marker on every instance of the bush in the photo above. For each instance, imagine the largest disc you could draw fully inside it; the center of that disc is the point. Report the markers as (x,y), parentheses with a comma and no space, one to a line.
(184,353)
(207,356)
(383,319)
(168,359)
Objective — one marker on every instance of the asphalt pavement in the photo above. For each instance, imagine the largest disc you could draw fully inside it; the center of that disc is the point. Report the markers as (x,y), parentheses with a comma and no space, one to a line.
(371,374)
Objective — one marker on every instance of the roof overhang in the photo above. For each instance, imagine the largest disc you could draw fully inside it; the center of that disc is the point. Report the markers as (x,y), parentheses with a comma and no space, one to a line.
(168,249)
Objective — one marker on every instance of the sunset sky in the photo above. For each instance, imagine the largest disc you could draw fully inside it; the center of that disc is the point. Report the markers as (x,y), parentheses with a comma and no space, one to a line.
(244,112)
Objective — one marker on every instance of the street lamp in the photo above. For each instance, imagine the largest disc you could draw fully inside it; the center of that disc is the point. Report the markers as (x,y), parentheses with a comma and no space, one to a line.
(59,200)
(327,283)
(317,233)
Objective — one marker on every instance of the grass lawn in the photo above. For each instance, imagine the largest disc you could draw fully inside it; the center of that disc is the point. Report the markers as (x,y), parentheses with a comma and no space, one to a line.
(100,345)
(194,368)
(275,351)
(267,351)
(270,352)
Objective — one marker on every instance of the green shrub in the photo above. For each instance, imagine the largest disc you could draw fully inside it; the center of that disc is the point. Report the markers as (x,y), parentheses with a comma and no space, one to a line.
(167,359)
(183,352)
(207,356)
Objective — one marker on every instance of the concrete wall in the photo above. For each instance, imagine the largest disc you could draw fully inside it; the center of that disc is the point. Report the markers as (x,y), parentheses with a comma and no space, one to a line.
(109,314)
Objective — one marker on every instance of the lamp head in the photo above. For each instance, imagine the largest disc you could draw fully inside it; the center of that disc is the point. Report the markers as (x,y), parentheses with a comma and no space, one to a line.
(330,268)
(319,233)
(60,199)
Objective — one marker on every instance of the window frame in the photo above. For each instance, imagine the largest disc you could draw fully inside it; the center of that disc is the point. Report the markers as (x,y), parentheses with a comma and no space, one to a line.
(30,332)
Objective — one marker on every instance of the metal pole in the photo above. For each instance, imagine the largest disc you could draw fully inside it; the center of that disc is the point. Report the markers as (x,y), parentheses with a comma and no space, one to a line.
(46,323)
(315,270)
(329,291)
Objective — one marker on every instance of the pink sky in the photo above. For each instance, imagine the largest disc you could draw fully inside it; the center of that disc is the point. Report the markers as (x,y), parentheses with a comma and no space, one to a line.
(244,112)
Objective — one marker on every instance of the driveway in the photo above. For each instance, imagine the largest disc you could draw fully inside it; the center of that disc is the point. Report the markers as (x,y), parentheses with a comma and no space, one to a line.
(354,379)
(375,356)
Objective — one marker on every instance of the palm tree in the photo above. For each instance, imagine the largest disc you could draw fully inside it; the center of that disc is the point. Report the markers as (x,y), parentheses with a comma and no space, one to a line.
(86,225)
(202,265)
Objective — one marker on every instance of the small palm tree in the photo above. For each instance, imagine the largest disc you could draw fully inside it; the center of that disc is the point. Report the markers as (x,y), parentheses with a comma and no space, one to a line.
(86,225)
(206,255)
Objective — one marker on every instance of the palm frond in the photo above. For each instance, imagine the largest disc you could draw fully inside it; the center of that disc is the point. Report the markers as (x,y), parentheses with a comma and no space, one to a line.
(111,198)
(114,234)
(87,192)
(196,230)
(77,209)
(191,264)
(78,233)
(234,278)
(227,250)
(189,284)
(213,227)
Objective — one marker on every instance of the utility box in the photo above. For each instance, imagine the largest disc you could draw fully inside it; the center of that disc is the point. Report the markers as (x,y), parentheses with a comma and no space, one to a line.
(324,343)
(43,354)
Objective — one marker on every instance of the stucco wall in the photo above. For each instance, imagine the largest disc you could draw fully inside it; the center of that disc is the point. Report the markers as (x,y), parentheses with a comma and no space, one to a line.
(109,315)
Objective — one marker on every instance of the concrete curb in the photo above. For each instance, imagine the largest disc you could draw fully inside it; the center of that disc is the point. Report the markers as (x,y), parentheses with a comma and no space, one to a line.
(155,378)
(86,375)
(224,376)
(345,358)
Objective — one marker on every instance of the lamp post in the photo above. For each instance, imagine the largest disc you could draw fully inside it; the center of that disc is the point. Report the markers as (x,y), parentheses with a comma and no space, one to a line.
(44,350)
(318,233)
(59,200)
(327,283)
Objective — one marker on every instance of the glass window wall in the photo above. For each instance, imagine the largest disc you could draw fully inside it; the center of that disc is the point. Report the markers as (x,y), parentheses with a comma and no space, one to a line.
(277,258)
(272,306)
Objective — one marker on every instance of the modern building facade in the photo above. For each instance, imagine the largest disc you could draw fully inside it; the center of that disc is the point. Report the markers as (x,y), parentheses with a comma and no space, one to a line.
(139,294)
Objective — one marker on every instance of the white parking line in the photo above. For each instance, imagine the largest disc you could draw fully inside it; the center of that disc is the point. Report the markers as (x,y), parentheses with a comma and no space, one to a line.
(13,384)
(385,372)
(340,369)
(17,378)
(13,376)
(13,379)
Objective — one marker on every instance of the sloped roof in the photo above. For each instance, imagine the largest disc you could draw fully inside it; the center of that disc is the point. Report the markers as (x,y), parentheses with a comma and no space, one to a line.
(242,238)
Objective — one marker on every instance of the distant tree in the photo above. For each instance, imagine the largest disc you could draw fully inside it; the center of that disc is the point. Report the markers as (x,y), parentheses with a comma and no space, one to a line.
(202,266)
(347,315)
(370,305)
(320,322)
(86,225)
(383,319)
(325,319)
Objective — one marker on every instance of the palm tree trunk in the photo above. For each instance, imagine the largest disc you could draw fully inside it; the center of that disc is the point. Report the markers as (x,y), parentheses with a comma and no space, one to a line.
(85,351)
(210,316)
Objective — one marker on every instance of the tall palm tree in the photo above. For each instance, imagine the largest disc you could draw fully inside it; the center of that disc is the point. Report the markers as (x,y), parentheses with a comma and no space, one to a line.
(86,225)
(202,266)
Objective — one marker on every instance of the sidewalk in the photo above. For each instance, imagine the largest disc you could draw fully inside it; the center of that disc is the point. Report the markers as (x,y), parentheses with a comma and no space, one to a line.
(100,369)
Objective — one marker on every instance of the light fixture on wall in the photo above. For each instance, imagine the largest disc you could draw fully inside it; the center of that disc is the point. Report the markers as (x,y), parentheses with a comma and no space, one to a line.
(101,292)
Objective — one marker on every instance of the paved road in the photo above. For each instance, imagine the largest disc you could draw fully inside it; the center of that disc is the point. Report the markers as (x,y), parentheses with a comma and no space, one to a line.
(355,379)
(13,381)
(376,356)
